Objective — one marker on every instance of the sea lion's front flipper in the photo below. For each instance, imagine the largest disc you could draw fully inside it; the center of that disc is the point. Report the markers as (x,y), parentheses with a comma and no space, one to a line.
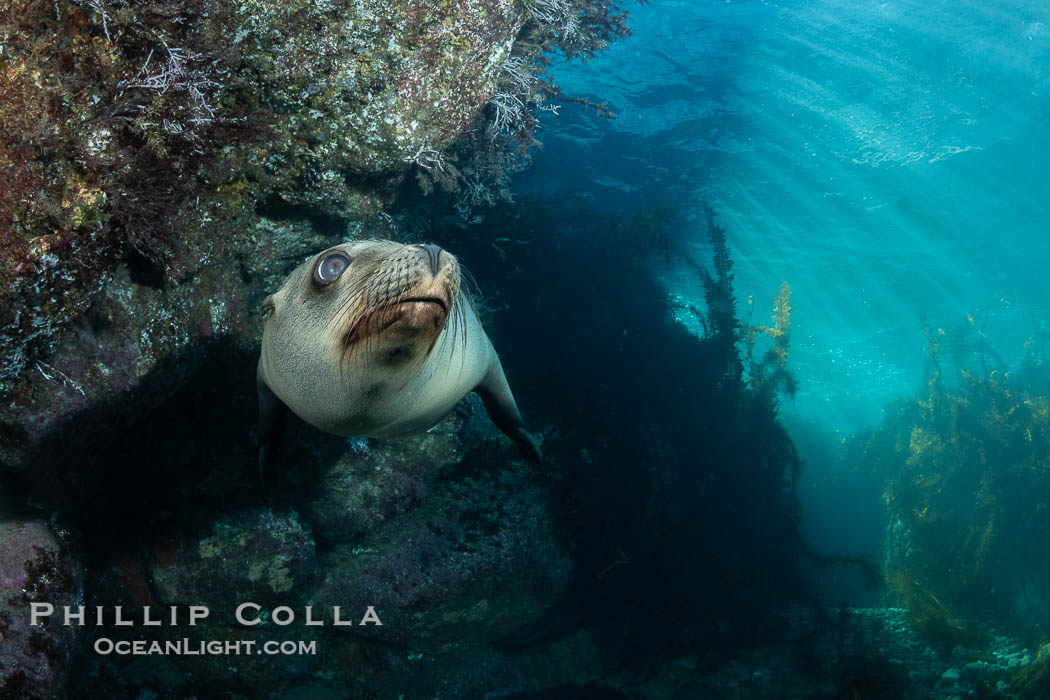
(271,429)
(499,402)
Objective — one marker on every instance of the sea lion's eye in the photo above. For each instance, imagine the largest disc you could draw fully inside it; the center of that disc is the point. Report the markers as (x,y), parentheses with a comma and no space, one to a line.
(330,267)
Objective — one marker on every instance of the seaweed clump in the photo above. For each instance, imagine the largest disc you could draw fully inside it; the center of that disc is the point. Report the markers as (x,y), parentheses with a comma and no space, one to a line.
(968,477)
(765,373)
(768,374)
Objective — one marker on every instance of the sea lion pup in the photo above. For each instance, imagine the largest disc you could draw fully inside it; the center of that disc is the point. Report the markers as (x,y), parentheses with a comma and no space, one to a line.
(377,339)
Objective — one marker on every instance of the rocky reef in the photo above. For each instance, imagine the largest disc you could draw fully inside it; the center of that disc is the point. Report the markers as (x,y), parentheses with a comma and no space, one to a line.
(35,661)
(164,166)
(452,547)
(143,143)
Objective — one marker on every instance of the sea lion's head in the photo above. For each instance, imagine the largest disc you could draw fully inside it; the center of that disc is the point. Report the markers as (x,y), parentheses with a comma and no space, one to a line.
(376,339)
(371,303)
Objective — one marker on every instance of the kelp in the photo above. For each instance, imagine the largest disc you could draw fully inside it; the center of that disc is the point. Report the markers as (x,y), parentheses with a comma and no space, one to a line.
(768,373)
(765,373)
(967,467)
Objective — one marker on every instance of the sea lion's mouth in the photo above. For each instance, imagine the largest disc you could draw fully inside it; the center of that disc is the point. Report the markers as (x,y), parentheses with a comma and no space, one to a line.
(424,300)
(415,312)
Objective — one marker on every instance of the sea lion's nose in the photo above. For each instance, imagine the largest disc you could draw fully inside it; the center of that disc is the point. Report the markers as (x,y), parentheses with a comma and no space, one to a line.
(434,253)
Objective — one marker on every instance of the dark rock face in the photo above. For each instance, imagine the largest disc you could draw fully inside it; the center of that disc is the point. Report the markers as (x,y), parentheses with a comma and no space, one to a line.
(258,556)
(139,344)
(34,567)
(475,562)
(446,534)
(371,484)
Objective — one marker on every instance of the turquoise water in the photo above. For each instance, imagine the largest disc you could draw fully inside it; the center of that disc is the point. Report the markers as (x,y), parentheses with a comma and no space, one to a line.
(887,159)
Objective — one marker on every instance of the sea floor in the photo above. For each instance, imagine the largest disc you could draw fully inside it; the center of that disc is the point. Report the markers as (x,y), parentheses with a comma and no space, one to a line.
(864,654)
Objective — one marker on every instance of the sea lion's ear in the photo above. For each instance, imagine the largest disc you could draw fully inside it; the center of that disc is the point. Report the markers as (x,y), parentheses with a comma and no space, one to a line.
(499,402)
(268,307)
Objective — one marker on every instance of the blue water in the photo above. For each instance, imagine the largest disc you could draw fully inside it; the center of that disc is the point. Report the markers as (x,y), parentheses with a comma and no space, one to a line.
(887,159)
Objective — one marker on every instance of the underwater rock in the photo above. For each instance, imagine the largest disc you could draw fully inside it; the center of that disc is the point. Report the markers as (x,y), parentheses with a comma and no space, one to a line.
(312,692)
(258,555)
(375,481)
(473,562)
(365,488)
(383,86)
(138,344)
(34,567)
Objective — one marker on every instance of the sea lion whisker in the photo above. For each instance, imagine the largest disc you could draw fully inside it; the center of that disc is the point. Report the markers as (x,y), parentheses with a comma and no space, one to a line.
(348,317)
